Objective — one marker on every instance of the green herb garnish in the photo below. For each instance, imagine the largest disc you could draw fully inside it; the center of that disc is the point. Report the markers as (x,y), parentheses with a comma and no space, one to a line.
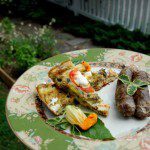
(98,131)
(132,86)
(124,78)
(131,89)
(58,123)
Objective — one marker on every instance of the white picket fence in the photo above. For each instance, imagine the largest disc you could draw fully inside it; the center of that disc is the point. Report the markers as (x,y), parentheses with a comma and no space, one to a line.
(132,14)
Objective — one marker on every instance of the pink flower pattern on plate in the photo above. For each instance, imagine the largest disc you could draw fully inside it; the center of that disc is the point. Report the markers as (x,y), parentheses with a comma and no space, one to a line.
(21,89)
(38,139)
(145,143)
(136,57)
(122,53)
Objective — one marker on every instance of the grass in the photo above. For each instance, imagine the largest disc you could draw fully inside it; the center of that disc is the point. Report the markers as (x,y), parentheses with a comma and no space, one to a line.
(8,141)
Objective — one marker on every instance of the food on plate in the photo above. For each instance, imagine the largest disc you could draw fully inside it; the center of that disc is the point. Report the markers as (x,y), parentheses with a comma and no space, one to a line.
(54,99)
(86,65)
(76,116)
(101,78)
(125,103)
(81,123)
(73,83)
(69,78)
(141,96)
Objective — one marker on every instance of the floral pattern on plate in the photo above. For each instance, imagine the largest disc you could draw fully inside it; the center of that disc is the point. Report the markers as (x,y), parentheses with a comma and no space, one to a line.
(31,129)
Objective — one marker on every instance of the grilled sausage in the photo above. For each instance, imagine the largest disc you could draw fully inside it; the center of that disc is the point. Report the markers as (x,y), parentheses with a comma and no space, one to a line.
(141,97)
(125,103)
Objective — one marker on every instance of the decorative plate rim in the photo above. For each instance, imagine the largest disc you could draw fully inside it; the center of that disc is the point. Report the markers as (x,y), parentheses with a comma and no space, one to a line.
(71,57)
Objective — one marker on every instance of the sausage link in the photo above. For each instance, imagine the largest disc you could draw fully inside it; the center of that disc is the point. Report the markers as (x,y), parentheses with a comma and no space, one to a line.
(141,97)
(125,103)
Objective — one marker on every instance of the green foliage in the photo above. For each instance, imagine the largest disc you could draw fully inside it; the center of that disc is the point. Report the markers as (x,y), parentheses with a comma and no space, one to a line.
(6,26)
(5,2)
(98,131)
(26,8)
(132,86)
(131,89)
(124,79)
(20,51)
(37,13)
(44,42)
(112,36)
(59,123)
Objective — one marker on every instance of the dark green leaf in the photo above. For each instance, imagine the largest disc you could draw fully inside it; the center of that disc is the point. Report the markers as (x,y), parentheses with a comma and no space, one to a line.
(62,126)
(124,78)
(98,131)
(138,82)
(58,123)
(131,89)
(53,121)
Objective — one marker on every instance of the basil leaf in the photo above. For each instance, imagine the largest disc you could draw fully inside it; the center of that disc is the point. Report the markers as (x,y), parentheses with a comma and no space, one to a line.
(131,89)
(138,82)
(124,78)
(98,131)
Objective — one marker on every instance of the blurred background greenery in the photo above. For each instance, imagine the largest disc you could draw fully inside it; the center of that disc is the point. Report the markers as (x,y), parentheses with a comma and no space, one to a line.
(28,35)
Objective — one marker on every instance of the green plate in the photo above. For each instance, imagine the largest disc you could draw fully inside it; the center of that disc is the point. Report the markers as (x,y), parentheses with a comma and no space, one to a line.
(25,121)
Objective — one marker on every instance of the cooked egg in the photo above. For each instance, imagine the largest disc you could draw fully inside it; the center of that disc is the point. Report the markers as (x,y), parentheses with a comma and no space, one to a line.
(81,80)
(56,107)
(53,100)
(88,74)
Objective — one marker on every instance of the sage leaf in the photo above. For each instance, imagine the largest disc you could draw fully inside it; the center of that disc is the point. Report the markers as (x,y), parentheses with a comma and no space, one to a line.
(138,83)
(98,131)
(132,86)
(124,78)
(131,89)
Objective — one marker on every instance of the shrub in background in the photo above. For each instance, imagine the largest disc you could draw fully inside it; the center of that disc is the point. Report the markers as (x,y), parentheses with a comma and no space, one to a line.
(25,8)
(44,41)
(111,36)
(19,52)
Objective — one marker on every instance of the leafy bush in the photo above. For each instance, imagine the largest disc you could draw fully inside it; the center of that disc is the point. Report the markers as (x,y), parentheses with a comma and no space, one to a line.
(44,41)
(112,36)
(19,51)
(26,8)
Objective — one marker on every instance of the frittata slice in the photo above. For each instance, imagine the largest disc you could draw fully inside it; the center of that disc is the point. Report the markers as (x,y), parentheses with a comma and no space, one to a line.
(54,99)
(74,82)
(101,78)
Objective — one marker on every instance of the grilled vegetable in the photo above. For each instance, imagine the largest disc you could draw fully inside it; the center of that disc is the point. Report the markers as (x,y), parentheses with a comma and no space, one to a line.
(75,116)
(125,103)
(87,66)
(89,122)
(141,97)
(81,125)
